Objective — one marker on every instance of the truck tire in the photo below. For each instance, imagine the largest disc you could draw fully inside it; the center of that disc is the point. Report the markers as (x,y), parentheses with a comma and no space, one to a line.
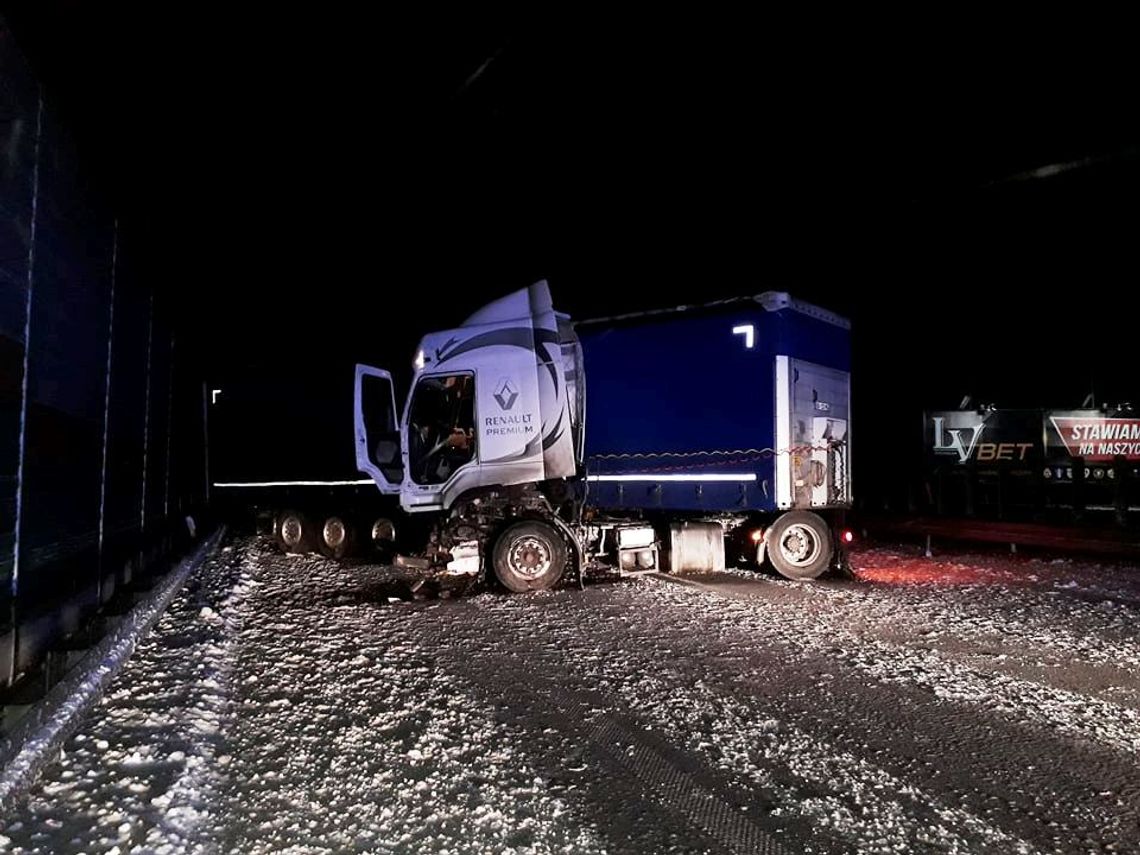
(293,532)
(799,545)
(383,537)
(336,537)
(529,556)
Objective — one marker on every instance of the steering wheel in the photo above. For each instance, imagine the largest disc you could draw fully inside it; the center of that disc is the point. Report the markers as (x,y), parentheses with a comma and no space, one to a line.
(424,468)
(435,449)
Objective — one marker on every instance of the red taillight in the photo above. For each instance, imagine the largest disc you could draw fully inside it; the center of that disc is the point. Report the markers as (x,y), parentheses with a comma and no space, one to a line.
(757,535)
(848,535)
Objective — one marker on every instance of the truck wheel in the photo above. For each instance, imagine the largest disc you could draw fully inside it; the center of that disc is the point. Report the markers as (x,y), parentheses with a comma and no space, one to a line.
(799,545)
(293,532)
(529,556)
(383,536)
(336,537)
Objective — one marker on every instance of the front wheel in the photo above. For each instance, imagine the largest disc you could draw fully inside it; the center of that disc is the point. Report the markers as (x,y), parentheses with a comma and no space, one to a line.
(529,556)
(799,545)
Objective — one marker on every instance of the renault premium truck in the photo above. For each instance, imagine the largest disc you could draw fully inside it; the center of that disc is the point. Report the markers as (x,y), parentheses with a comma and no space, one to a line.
(538,448)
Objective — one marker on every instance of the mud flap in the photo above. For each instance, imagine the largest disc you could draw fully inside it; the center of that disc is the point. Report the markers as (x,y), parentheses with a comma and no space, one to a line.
(575,550)
(841,563)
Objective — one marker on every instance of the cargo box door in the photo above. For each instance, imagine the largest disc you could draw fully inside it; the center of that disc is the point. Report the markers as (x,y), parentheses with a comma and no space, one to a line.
(377,429)
(812,421)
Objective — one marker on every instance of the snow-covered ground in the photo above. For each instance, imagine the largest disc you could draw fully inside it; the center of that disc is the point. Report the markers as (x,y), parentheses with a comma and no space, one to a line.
(961,704)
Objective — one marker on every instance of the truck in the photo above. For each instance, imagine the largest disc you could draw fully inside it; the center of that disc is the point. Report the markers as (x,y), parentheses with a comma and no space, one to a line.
(532,449)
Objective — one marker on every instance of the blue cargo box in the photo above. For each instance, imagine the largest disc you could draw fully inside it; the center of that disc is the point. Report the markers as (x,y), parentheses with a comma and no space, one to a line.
(735,406)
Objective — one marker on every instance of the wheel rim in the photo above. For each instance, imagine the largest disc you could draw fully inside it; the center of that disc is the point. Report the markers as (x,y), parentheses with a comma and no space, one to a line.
(799,545)
(383,529)
(333,532)
(291,530)
(530,557)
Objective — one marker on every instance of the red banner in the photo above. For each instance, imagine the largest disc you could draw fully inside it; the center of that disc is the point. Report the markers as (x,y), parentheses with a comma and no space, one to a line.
(1099,439)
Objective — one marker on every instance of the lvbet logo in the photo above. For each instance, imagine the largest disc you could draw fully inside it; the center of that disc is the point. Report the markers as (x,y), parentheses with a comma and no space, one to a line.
(965,443)
(959,441)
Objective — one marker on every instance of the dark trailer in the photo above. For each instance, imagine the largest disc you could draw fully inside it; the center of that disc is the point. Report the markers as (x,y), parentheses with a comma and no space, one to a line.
(102,457)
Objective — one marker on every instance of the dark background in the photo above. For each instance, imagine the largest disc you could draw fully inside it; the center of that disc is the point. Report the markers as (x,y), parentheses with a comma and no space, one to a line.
(323,185)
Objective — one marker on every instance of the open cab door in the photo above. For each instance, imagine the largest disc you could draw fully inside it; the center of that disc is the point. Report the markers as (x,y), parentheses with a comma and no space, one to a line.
(378,429)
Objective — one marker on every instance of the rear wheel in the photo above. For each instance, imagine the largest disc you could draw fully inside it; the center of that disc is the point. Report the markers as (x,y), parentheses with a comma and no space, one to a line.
(293,532)
(336,537)
(529,556)
(799,545)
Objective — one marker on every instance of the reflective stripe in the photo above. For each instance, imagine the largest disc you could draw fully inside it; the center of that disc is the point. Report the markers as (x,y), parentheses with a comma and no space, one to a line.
(14,582)
(360,482)
(649,476)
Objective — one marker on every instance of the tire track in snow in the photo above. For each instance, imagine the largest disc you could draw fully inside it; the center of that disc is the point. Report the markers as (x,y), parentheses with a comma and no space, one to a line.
(638,770)
(350,736)
(191,811)
(1079,715)
(1002,753)
(1036,606)
(817,777)
(843,796)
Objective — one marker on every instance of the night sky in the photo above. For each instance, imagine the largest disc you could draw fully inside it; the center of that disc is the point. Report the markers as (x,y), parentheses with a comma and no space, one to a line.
(316,188)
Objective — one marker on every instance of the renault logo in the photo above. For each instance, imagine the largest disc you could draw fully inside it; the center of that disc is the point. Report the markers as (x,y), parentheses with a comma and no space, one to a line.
(506,394)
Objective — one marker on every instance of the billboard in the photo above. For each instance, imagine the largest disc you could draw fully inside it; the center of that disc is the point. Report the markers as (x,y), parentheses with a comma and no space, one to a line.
(1001,462)
(1013,437)
(1003,438)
